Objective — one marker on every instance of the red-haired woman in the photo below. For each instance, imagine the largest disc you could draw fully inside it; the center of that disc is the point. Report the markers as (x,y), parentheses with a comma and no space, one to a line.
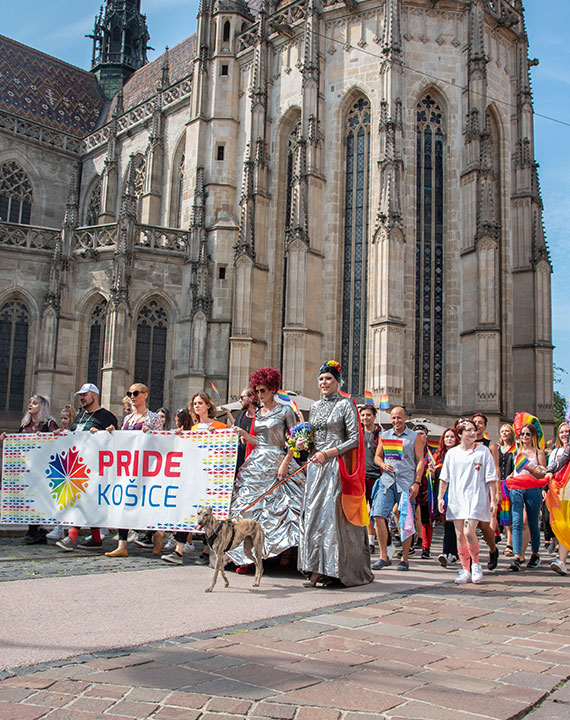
(469,472)
(447,441)
(278,512)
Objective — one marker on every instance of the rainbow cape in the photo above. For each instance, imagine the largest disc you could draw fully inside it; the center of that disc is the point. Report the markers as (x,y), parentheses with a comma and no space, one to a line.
(525,482)
(352,468)
(368,399)
(559,506)
(393,448)
(406,516)
(384,402)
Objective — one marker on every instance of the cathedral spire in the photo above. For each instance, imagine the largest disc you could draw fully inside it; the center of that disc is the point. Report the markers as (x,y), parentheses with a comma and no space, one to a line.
(120,41)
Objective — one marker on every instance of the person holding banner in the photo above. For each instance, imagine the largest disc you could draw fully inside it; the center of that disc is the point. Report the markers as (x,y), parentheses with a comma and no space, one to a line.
(334,548)
(558,460)
(529,460)
(277,511)
(37,419)
(468,474)
(140,419)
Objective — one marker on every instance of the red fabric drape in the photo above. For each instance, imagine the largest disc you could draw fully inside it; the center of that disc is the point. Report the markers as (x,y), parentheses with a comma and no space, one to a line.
(352,468)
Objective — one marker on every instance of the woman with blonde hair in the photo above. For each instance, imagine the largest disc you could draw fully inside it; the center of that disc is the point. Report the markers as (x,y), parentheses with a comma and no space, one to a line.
(559,459)
(506,445)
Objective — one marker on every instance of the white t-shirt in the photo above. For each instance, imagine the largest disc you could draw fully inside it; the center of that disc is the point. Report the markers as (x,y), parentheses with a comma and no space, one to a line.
(468,472)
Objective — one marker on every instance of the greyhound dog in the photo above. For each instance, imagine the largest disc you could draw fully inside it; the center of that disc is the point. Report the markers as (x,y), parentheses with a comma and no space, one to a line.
(225,535)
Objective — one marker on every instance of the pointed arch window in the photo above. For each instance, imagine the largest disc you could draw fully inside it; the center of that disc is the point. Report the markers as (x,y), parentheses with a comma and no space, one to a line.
(429,249)
(14,330)
(150,351)
(96,343)
(15,194)
(94,204)
(355,261)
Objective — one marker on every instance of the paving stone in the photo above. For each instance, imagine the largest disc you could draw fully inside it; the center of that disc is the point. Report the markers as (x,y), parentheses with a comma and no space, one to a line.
(510,663)
(143,694)
(342,620)
(266,676)
(415,710)
(233,688)
(484,705)
(228,705)
(306,713)
(69,714)
(14,694)
(134,709)
(321,668)
(27,681)
(186,700)
(456,679)
(533,680)
(273,710)
(73,687)
(549,711)
(118,662)
(344,658)
(91,704)
(50,699)
(363,716)
(12,711)
(342,695)
(562,695)
(155,675)
(167,712)
(521,694)
(102,690)
(372,679)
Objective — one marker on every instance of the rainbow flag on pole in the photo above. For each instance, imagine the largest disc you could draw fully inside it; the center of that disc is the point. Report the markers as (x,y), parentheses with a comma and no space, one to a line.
(215,391)
(283,397)
(368,399)
(393,448)
(343,394)
(384,402)
(520,462)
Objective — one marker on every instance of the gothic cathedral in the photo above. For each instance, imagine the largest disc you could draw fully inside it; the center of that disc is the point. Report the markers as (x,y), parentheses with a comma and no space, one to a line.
(298,181)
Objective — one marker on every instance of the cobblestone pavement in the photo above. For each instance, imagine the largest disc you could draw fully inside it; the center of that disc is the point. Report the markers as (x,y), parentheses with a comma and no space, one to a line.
(496,650)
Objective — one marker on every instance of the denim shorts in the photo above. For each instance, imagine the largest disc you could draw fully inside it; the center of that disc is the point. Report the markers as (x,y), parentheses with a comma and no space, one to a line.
(384,500)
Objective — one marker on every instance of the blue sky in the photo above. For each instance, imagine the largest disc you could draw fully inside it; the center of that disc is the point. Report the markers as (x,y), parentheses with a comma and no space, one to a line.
(58,28)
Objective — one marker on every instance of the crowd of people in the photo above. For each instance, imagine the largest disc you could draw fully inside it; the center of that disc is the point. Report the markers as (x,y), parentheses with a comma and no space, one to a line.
(340,485)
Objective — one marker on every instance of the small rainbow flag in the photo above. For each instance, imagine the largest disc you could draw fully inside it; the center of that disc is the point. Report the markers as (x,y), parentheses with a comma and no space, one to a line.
(343,394)
(520,462)
(393,448)
(215,391)
(433,446)
(512,449)
(282,395)
(368,399)
(486,435)
(384,402)
(295,407)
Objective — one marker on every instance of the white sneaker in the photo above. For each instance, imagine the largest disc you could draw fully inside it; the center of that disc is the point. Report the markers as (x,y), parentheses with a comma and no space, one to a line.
(57,533)
(476,573)
(463,577)
(103,532)
(452,559)
(132,536)
(188,547)
(557,566)
(170,544)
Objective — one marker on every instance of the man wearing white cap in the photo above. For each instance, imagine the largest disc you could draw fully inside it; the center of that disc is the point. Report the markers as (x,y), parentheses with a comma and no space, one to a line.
(91,417)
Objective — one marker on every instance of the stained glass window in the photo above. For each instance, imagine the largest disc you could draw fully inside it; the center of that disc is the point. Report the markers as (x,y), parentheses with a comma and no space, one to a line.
(94,203)
(150,351)
(429,250)
(355,266)
(15,194)
(14,327)
(96,343)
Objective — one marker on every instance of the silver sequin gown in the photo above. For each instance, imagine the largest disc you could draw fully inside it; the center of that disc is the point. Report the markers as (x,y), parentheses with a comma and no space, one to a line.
(329,544)
(277,513)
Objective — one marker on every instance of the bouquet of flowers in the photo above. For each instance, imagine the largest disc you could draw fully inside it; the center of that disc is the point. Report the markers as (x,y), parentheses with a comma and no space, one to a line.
(301,431)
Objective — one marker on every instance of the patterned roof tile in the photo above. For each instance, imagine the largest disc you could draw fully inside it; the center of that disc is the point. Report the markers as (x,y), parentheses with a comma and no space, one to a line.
(40,88)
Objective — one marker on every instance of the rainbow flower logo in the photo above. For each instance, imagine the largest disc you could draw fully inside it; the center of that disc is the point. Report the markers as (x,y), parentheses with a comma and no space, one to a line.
(68,477)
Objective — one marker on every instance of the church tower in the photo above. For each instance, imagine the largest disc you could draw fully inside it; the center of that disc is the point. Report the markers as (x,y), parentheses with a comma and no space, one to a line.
(120,41)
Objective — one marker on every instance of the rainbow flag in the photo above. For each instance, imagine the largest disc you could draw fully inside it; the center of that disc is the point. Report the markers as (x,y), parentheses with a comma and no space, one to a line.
(368,399)
(282,395)
(505,514)
(524,418)
(393,448)
(215,391)
(486,435)
(520,462)
(433,446)
(295,407)
(406,516)
(384,402)
(512,449)
(343,394)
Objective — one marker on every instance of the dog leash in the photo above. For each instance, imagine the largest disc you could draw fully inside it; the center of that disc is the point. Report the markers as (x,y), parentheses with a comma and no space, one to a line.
(271,489)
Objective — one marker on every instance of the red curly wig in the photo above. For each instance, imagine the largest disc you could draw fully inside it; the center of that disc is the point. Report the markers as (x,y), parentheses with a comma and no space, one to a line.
(268,376)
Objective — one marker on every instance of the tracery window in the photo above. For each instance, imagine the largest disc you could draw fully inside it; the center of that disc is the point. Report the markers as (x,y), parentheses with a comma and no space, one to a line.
(429,249)
(94,204)
(355,265)
(150,351)
(14,327)
(15,194)
(96,343)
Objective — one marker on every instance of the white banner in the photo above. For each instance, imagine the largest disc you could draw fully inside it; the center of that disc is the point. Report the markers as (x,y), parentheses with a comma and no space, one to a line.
(122,479)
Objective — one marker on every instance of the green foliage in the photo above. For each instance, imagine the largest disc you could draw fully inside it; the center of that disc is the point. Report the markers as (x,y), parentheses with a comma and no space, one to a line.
(560,408)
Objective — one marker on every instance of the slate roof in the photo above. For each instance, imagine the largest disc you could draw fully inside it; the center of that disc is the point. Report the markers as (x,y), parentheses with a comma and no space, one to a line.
(38,87)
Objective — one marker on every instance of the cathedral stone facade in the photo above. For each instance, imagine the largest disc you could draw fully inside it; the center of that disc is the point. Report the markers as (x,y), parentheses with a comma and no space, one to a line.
(298,181)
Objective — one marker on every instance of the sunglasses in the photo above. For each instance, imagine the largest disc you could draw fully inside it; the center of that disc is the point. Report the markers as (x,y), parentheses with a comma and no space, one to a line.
(526,434)
(135,393)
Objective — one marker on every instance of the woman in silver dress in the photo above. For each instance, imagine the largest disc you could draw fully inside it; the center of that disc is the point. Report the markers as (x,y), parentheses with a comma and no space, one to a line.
(278,512)
(332,550)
